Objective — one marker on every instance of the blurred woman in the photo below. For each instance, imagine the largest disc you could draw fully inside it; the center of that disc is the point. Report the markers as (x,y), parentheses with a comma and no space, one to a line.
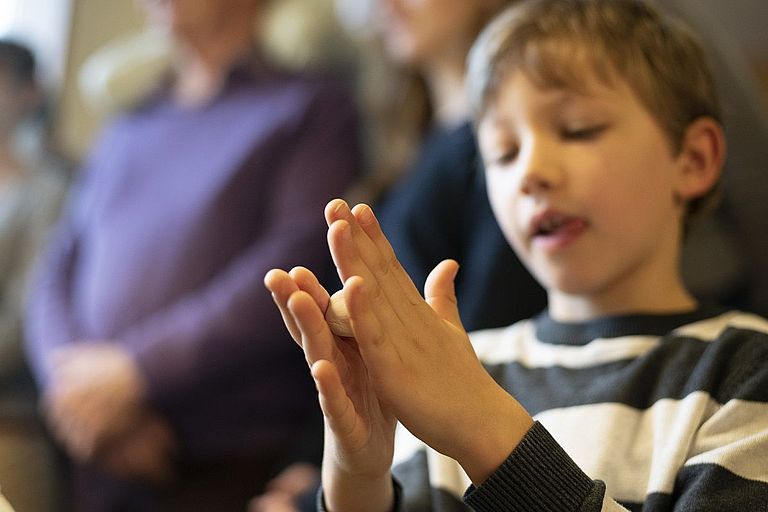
(438,208)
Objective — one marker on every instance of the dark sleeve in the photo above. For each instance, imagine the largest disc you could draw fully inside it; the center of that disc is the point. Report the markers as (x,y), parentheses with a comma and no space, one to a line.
(538,476)
(724,470)
(231,321)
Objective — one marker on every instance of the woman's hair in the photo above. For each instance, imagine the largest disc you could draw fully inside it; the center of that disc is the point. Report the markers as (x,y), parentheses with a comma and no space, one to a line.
(557,43)
(18,61)
(401,112)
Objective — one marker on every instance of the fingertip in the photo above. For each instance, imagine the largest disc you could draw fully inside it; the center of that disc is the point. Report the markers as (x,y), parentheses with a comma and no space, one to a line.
(272,277)
(299,273)
(452,266)
(295,299)
(364,214)
(335,209)
(339,230)
(354,285)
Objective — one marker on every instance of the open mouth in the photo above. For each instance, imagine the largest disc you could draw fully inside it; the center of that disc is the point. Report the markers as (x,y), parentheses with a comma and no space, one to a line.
(556,228)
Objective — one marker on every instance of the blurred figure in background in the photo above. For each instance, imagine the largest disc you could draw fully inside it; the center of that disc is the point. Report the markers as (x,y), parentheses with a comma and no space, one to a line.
(31,188)
(165,372)
(439,208)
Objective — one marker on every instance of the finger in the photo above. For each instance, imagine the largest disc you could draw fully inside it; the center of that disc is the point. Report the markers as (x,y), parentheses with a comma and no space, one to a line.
(370,225)
(282,287)
(346,241)
(376,259)
(378,346)
(440,291)
(361,251)
(349,263)
(316,338)
(308,282)
(364,321)
(334,210)
(337,407)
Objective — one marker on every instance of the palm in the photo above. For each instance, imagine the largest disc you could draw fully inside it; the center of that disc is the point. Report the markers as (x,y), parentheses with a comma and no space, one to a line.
(363,428)
(370,427)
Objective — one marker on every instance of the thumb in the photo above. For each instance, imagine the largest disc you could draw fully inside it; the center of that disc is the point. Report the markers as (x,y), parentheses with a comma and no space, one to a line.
(440,293)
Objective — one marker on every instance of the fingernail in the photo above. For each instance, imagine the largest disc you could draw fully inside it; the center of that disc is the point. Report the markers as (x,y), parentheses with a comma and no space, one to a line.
(341,207)
(366,214)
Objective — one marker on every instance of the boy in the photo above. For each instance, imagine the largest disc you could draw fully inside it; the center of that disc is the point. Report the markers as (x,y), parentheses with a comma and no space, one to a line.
(599,129)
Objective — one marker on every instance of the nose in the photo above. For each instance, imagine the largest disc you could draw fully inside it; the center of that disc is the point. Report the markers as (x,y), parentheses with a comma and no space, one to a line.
(540,170)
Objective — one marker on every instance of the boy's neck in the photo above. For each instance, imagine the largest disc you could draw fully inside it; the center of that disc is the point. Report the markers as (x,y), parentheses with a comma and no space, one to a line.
(663,297)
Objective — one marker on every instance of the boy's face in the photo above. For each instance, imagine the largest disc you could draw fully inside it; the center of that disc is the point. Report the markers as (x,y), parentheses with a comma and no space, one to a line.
(583,187)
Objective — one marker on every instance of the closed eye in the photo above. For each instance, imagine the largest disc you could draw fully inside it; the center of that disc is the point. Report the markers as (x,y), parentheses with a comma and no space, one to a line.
(507,157)
(583,134)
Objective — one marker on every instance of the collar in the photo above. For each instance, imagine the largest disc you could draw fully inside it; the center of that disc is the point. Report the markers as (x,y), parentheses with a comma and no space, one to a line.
(581,333)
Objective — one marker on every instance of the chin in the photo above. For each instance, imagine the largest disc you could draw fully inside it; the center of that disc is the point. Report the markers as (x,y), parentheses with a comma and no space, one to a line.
(569,282)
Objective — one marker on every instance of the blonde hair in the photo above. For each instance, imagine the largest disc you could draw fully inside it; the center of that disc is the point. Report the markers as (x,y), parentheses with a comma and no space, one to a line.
(557,42)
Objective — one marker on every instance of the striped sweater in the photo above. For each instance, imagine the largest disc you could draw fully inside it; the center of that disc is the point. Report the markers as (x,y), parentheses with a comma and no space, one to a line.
(643,412)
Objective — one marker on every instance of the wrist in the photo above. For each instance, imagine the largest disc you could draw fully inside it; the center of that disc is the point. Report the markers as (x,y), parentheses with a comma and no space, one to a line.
(348,492)
(495,434)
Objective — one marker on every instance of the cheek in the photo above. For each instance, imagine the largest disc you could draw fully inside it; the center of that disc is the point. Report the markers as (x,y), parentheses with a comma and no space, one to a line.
(504,203)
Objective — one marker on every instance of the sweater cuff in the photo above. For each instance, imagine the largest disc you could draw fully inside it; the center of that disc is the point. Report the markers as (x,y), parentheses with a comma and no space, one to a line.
(537,476)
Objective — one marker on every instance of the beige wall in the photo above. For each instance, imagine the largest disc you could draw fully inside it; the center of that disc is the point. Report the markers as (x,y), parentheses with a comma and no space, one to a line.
(94,22)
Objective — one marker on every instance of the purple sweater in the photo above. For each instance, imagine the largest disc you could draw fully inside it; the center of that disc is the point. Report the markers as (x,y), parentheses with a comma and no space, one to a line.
(178,215)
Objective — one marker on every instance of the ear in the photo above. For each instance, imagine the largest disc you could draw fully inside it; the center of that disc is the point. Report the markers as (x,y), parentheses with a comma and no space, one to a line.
(701,158)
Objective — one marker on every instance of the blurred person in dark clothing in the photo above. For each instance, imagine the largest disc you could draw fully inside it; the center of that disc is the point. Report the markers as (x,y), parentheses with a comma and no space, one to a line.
(165,372)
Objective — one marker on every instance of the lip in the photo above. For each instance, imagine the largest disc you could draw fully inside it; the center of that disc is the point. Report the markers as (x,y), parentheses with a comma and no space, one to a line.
(567,229)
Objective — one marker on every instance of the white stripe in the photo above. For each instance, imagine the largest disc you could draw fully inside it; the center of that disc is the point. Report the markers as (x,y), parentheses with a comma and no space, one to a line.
(637,452)
(446,474)
(406,445)
(518,344)
(736,438)
(611,506)
(710,329)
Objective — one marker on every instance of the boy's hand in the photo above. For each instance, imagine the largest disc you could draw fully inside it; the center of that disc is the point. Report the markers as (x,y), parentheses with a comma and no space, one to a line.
(417,355)
(359,440)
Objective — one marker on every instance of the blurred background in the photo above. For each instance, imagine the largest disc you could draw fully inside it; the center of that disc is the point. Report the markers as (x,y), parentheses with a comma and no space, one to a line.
(66,33)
